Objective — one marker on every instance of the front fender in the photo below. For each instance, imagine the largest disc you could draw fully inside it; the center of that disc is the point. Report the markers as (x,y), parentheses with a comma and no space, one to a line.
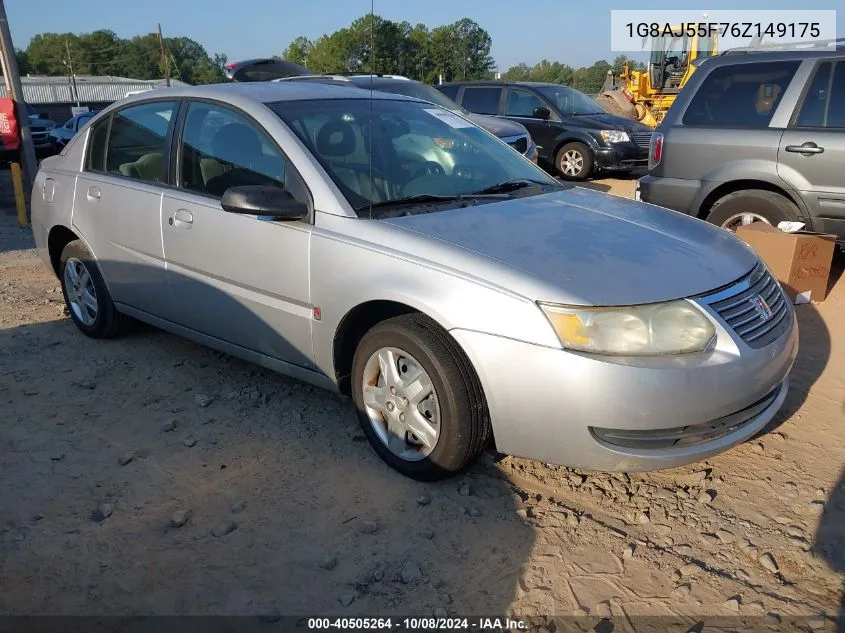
(346,273)
(575,135)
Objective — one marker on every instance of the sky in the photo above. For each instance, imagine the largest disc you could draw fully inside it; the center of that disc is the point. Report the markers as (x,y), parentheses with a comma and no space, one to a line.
(577,33)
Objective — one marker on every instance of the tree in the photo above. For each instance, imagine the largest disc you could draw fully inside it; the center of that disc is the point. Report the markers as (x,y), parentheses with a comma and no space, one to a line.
(298,51)
(622,60)
(46,52)
(520,72)
(373,44)
(473,49)
(103,53)
(23,61)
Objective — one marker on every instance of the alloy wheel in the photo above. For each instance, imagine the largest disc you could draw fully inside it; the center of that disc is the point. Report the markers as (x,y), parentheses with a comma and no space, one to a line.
(401,403)
(81,293)
(572,163)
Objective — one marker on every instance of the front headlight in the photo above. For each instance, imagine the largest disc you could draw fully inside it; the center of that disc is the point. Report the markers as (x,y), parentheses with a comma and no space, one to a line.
(659,329)
(615,136)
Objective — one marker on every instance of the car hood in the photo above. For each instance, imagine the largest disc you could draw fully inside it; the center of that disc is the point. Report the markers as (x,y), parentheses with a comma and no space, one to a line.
(581,247)
(610,122)
(497,126)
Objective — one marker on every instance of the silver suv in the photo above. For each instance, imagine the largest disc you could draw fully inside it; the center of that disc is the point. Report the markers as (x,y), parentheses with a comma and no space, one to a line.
(756,135)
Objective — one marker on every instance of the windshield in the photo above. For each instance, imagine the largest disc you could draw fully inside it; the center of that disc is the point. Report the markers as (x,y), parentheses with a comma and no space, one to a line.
(412,149)
(570,101)
(416,90)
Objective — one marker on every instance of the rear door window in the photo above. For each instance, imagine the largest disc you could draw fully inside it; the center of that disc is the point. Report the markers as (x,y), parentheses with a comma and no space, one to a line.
(482,100)
(740,95)
(138,141)
(96,158)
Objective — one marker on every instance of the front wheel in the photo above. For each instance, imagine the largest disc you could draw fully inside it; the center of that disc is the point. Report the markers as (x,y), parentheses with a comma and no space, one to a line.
(418,399)
(575,161)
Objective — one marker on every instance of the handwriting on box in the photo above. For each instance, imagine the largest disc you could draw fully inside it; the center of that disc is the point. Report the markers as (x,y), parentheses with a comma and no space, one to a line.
(806,256)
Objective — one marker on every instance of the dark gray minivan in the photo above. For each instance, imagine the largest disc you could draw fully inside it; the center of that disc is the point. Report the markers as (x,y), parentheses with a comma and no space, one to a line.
(756,136)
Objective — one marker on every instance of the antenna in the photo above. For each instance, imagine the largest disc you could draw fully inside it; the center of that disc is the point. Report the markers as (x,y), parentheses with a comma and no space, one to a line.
(372,77)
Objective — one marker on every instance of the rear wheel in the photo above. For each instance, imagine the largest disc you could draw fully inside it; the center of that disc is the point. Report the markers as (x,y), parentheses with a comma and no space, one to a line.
(752,205)
(574,161)
(86,296)
(418,399)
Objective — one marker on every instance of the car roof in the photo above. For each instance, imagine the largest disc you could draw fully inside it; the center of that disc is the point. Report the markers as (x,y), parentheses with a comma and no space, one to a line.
(741,56)
(498,82)
(265,92)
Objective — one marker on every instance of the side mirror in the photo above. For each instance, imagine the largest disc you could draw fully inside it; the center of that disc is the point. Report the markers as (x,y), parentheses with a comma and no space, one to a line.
(542,113)
(268,201)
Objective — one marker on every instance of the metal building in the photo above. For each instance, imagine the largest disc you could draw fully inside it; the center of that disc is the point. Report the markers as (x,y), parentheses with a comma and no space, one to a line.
(54,96)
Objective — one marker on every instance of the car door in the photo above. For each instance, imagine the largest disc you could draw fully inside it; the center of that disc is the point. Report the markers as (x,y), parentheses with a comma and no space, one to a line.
(811,157)
(237,278)
(521,106)
(117,202)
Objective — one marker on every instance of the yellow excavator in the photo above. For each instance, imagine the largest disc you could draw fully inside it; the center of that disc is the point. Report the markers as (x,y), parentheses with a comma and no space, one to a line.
(646,95)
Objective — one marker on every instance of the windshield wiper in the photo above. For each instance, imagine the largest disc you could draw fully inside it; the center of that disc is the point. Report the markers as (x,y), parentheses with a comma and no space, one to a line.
(512,185)
(421,198)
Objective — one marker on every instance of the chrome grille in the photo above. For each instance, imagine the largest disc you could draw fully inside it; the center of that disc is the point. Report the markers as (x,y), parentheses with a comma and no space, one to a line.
(642,139)
(740,307)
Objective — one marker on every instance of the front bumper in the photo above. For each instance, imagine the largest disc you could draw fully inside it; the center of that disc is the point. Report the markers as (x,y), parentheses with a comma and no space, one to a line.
(621,157)
(551,405)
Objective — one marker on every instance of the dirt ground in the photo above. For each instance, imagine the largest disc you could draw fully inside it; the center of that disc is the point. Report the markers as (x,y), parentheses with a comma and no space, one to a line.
(149,475)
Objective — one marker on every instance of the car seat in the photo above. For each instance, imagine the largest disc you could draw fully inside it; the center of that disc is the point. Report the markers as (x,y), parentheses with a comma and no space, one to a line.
(148,167)
(336,141)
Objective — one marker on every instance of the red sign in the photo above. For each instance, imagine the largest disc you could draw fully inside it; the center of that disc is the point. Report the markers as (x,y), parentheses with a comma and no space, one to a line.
(9,124)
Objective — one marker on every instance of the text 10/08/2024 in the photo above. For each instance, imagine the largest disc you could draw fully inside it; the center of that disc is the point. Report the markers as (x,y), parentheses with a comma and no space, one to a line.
(416,624)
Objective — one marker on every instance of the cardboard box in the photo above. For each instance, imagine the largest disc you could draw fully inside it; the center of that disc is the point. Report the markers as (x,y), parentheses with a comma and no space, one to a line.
(801,260)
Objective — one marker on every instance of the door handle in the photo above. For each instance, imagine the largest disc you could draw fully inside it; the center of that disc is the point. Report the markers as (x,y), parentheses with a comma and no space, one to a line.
(93,193)
(805,148)
(182,217)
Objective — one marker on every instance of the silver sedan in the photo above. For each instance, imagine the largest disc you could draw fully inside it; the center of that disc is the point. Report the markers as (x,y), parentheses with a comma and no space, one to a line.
(392,250)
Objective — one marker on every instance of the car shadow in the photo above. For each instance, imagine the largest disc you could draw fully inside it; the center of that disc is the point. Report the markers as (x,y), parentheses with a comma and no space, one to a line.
(149,475)
(814,348)
(829,541)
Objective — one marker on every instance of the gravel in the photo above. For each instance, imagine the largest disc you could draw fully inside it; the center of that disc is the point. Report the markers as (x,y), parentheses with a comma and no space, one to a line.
(411,573)
(768,561)
(328,563)
(179,518)
(224,528)
(202,401)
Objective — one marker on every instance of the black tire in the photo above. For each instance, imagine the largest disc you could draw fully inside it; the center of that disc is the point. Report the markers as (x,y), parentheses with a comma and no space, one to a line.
(108,322)
(587,162)
(772,206)
(464,418)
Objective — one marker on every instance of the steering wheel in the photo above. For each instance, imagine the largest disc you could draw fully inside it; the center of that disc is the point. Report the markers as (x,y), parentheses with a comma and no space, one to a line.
(429,168)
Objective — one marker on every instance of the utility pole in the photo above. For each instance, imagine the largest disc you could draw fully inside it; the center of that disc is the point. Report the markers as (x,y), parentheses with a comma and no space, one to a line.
(164,61)
(13,79)
(72,75)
